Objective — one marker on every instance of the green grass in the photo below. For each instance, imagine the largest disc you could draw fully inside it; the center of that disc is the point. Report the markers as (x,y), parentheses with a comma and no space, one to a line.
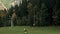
(31,30)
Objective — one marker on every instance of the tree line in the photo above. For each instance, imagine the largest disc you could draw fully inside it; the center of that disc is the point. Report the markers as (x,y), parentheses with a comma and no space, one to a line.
(38,12)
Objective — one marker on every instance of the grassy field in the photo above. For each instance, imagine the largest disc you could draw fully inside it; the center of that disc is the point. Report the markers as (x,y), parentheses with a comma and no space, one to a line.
(31,30)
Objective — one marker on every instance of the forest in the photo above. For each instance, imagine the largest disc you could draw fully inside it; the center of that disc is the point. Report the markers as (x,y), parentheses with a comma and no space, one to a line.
(32,12)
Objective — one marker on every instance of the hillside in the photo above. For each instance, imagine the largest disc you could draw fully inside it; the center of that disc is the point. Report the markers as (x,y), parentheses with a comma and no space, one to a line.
(7,3)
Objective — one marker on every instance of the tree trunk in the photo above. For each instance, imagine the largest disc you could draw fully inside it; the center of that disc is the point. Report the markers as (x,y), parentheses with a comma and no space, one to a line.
(12,22)
(50,14)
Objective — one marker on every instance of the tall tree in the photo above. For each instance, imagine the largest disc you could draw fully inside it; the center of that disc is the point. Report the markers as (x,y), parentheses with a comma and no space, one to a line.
(22,10)
(50,4)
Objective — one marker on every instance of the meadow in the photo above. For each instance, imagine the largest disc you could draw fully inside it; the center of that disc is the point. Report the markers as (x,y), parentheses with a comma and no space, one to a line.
(31,30)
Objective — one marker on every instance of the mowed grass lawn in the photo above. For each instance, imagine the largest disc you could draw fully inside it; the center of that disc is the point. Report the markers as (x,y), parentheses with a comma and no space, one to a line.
(31,30)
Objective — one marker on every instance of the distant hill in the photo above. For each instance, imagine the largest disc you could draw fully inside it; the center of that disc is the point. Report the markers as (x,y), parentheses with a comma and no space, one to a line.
(2,6)
(7,3)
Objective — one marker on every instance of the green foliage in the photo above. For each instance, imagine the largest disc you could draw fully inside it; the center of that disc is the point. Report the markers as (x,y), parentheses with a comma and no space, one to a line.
(43,14)
(22,9)
(50,3)
(38,12)
(10,11)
